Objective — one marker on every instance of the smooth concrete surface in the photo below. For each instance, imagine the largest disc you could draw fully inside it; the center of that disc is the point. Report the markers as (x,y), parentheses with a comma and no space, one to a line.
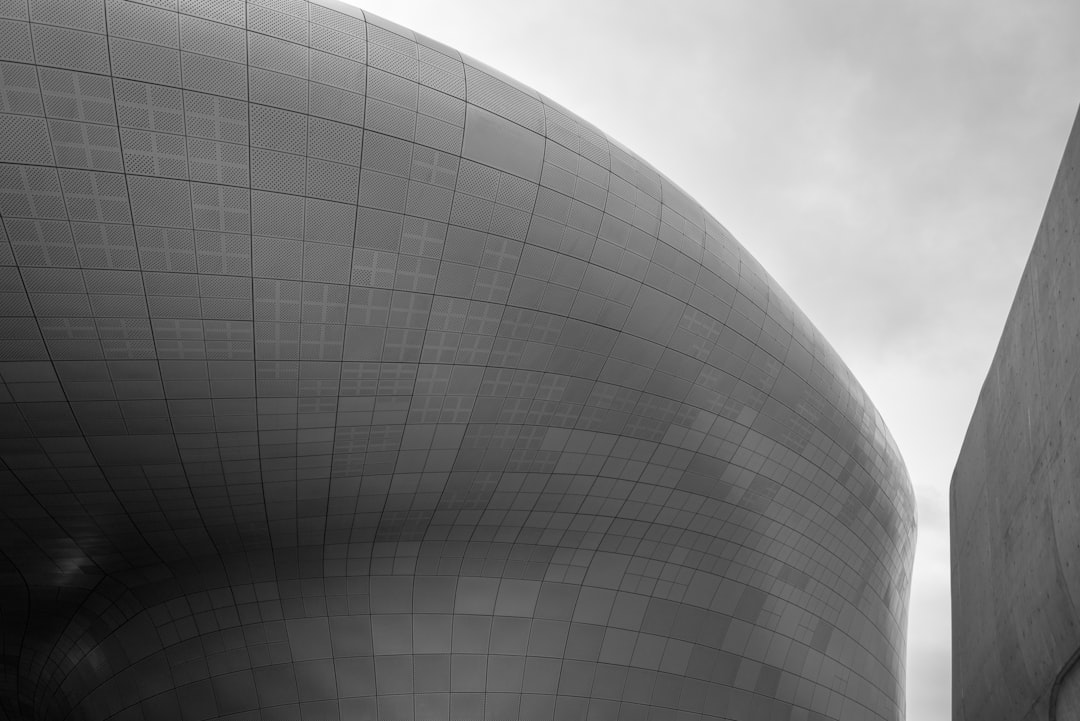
(1015,495)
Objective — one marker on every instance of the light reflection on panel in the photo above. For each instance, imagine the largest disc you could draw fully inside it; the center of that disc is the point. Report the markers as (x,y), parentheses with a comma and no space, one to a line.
(343,377)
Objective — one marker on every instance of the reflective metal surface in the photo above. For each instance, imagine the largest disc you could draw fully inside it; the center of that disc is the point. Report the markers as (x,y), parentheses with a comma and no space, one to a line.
(343,377)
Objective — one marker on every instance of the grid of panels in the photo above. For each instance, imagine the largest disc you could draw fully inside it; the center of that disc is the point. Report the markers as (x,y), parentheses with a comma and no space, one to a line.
(344,377)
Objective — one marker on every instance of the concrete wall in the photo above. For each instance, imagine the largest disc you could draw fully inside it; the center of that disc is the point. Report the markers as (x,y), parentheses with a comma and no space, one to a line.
(1015,497)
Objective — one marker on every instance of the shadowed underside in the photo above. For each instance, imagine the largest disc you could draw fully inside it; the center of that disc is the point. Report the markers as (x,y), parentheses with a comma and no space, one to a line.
(343,377)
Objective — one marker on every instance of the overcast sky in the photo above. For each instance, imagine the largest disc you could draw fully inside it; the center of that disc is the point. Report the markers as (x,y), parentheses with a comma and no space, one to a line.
(887,162)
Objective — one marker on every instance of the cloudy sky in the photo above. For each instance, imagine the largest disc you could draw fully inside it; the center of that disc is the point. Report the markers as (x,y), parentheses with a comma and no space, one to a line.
(887,162)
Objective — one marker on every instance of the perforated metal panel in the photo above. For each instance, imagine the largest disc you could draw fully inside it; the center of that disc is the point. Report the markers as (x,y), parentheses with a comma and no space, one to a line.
(344,377)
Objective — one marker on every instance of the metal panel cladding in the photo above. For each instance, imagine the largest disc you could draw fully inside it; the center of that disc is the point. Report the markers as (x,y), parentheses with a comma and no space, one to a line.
(344,377)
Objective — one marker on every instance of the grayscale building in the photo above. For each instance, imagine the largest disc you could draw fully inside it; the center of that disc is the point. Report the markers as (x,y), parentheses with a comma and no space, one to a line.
(1015,495)
(345,378)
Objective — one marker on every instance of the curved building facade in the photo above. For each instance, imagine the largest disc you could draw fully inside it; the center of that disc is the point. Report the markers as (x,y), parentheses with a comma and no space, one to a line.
(345,378)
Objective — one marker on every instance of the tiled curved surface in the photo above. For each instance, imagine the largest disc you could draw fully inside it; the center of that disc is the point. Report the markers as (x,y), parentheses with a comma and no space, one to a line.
(346,378)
